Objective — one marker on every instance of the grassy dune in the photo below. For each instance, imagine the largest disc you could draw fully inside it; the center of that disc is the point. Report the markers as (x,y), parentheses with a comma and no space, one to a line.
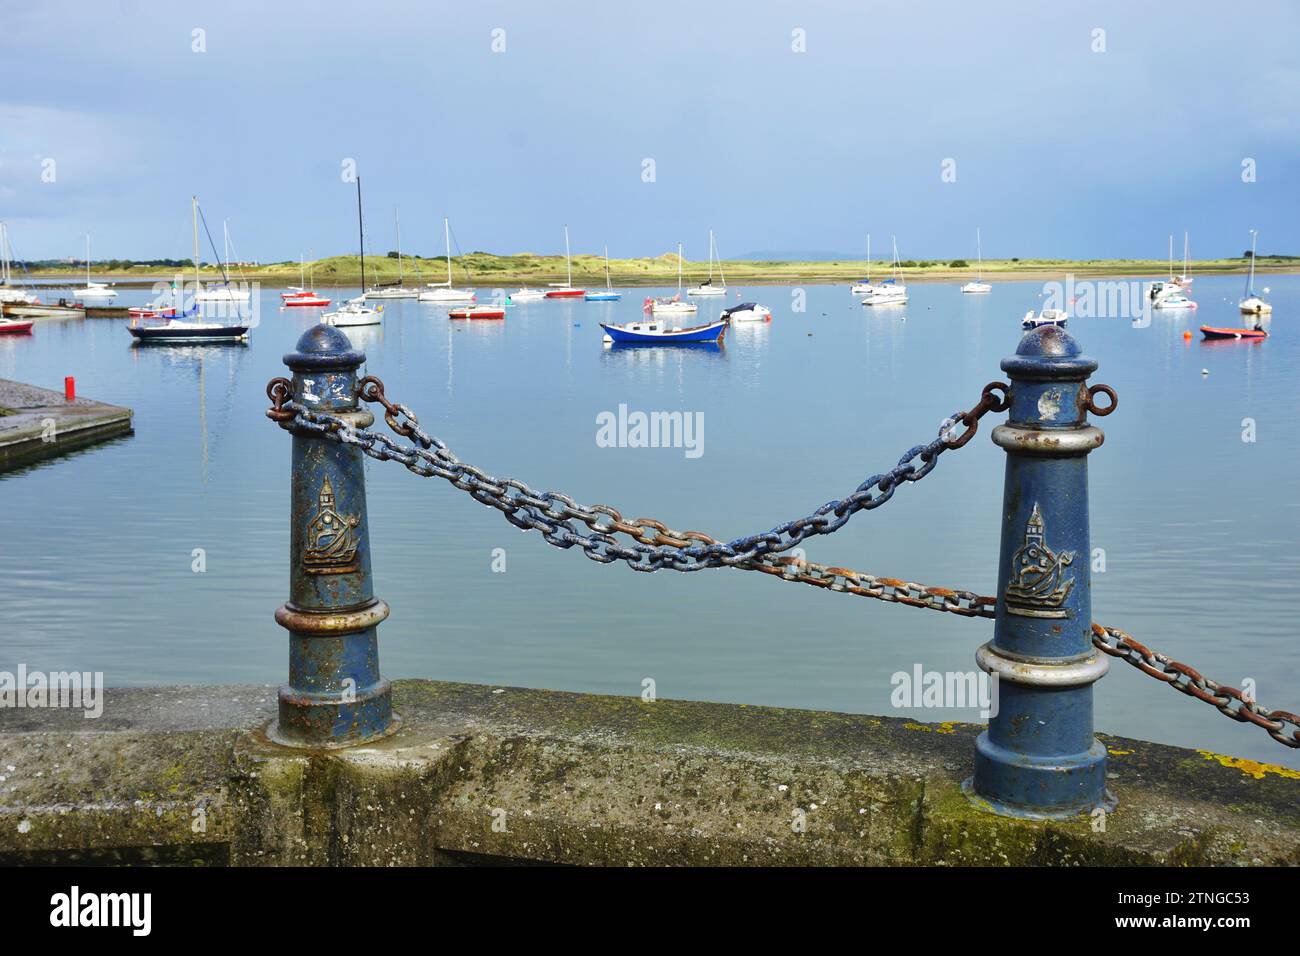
(488,270)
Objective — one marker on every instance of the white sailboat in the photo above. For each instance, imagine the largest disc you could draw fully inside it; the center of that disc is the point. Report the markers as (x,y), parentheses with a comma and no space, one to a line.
(223,292)
(606,294)
(398,291)
(565,290)
(9,293)
(1172,294)
(355,311)
(865,287)
(891,291)
(979,285)
(93,290)
(707,287)
(675,305)
(444,292)
(1253,304)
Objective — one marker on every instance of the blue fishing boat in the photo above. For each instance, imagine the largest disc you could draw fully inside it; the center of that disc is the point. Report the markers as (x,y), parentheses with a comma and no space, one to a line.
(652,332)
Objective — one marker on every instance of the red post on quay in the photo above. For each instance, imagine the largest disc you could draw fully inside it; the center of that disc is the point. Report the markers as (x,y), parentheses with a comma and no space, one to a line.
(69,388)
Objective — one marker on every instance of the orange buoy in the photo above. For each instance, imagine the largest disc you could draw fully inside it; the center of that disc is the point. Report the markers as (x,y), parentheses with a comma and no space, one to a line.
(1187,334)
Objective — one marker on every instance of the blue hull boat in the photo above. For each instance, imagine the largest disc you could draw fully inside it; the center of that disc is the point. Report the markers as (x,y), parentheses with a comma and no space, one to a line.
(604,296)
(651,332)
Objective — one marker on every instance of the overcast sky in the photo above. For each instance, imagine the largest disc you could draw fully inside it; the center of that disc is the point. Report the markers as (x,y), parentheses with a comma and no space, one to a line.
(1058,150)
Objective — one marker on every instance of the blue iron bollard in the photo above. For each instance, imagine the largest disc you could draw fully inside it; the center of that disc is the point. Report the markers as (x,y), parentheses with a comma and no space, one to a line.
(1039,758)
(335,696)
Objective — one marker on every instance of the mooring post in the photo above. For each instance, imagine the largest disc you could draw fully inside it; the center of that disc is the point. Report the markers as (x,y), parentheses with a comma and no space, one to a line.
(335,696)
(1039,758)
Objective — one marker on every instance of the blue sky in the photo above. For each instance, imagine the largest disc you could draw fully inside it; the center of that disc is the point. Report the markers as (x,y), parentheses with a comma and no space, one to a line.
(1059,151)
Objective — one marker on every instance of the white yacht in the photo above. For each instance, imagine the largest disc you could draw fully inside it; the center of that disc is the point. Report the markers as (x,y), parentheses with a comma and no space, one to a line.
(707,287)
(675,305)
(93,290)
(865,287)
(223,292)
(891,291)
(399,291)
(444,293)
(9,293)
(979,285)
(1253,304)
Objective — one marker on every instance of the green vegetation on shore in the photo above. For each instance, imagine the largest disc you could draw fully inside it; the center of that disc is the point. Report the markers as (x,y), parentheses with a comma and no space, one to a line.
(486,269)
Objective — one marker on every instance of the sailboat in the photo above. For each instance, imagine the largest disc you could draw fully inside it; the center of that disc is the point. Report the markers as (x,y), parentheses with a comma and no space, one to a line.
(1172,294)
(607,294)
(979,285)
(707,287)
(524,294)
(889,292)
(177,330)
(93,290)
(303,296)
(398,291)
(355,311)
(674,305)
(565,290)
(443,291)
(223,292)
(9,293)
(1252,304)
(865,287)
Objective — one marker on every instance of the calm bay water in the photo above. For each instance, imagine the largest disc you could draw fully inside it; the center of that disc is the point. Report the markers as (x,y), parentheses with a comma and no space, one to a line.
(1201,530)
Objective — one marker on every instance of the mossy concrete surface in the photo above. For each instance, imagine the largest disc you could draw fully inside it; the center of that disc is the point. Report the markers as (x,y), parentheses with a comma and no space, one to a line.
(478,773)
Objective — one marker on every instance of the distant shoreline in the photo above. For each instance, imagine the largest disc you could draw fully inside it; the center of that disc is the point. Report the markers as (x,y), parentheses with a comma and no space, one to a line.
(481,270)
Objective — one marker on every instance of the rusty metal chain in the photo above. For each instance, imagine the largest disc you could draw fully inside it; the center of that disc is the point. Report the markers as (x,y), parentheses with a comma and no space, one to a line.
(1283,726)
(654,545)
(657,546)
(1229,701)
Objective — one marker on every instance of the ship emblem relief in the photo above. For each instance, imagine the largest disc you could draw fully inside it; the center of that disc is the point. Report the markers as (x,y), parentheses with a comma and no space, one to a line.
(331,542)
(1039,584)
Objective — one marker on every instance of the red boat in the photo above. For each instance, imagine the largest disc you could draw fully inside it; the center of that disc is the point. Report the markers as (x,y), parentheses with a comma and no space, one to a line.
(1210,332)
(15,326)
(305,300)
(565,293)
(477,312)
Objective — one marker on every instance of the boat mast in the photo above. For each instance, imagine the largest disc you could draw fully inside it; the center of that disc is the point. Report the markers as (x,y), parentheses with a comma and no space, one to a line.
(194,217)
(88,258)
(1171,257)
(710,257)
(979,257)
(398,220)
(868,258)
(1184,256)
(721,275)
(568,263)
(225,240)
(1250,277)
(446,238)
(361,234)
(609,286)
(679,268)
(895,241)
